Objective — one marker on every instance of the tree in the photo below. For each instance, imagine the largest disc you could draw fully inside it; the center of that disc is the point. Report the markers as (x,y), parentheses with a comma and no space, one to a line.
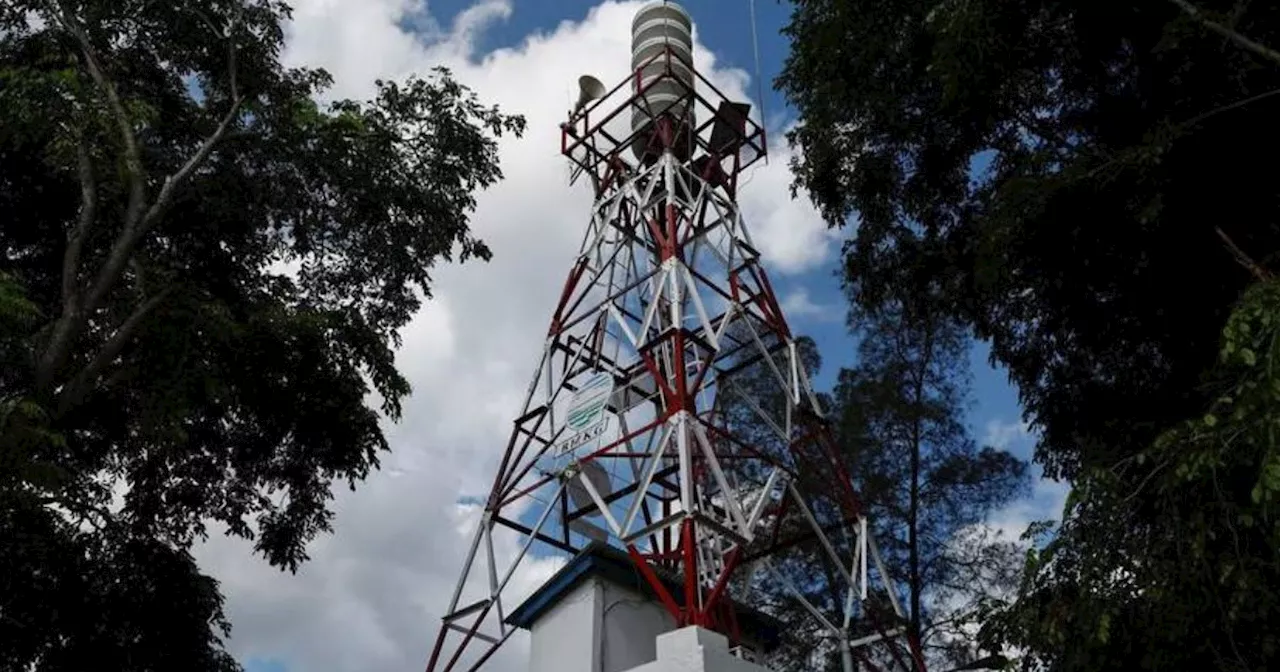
(1184,568)
(928,485)
(1097,131)
(1069,175)
(203,276)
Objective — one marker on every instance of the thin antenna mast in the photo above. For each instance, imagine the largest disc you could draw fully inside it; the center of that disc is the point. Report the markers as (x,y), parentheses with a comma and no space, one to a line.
(755,47)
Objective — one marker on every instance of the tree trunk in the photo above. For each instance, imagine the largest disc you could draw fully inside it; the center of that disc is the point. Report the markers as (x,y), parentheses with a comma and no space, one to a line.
(913,536)
(913,508)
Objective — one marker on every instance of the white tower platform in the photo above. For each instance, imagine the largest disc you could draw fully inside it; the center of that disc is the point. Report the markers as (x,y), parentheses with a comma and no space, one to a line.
(695,649)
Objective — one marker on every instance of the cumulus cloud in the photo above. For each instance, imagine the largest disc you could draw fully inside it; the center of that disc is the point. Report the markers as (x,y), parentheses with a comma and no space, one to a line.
(1005,434)
(799,304)
(1045,503)
(1046,498)
(371,596)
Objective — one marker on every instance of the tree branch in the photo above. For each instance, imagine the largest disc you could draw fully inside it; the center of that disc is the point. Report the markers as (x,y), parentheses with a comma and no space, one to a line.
(959,615)
(174,181)
(1146,479)
(74,312)
(1240,40)
(132,156)
(1227,108)
(75,239)
(1242,258)
(78,387)
(1047,134)
(140,278)
(134,232)
(138,218)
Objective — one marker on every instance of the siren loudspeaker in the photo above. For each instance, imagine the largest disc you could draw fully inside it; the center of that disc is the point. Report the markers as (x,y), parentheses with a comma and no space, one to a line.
(589,89)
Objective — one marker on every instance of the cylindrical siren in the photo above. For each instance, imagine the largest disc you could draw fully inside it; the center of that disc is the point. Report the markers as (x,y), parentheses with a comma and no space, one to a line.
(662,53)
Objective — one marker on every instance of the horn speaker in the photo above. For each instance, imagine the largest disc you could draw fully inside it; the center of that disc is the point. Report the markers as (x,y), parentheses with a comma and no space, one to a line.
(589,89)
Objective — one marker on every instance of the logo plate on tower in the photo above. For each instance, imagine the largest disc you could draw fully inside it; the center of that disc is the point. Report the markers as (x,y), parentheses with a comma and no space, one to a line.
(586,418)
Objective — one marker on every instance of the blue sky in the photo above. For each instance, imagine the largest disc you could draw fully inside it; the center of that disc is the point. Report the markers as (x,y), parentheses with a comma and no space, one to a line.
(264,665)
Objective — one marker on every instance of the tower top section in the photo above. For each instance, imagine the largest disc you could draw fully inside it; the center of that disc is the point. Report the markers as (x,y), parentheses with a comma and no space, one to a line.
(665,106)
(660,7)
(659,27)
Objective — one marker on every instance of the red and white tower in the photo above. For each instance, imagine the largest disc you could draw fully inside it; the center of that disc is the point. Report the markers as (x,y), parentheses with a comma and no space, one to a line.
(631,430)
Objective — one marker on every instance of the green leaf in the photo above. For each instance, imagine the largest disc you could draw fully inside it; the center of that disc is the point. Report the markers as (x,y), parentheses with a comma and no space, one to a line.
(239,398)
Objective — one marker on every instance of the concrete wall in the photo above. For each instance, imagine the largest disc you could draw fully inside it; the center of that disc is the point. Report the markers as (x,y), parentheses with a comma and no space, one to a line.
(566,638)
(632,624)
(599,626)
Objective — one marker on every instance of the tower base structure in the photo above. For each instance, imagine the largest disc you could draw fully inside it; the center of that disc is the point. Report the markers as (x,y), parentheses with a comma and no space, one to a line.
(597,615)
(696,649)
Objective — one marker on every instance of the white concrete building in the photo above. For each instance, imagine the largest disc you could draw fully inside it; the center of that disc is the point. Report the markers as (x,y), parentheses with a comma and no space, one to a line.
(597,614)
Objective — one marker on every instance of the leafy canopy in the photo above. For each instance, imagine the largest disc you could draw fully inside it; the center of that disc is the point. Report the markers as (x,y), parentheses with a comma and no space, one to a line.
(1060,170)
(202,276)
(1085,184)
(1183,566)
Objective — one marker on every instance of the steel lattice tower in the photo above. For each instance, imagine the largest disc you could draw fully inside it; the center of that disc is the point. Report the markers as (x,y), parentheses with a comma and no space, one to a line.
(631,429)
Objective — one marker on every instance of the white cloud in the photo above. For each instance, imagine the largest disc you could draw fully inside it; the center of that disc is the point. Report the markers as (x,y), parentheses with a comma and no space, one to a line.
(789,232)
(798,304)
(1045,503)
(1046,498)
(1004,435)
(1001,533)
(371,596)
